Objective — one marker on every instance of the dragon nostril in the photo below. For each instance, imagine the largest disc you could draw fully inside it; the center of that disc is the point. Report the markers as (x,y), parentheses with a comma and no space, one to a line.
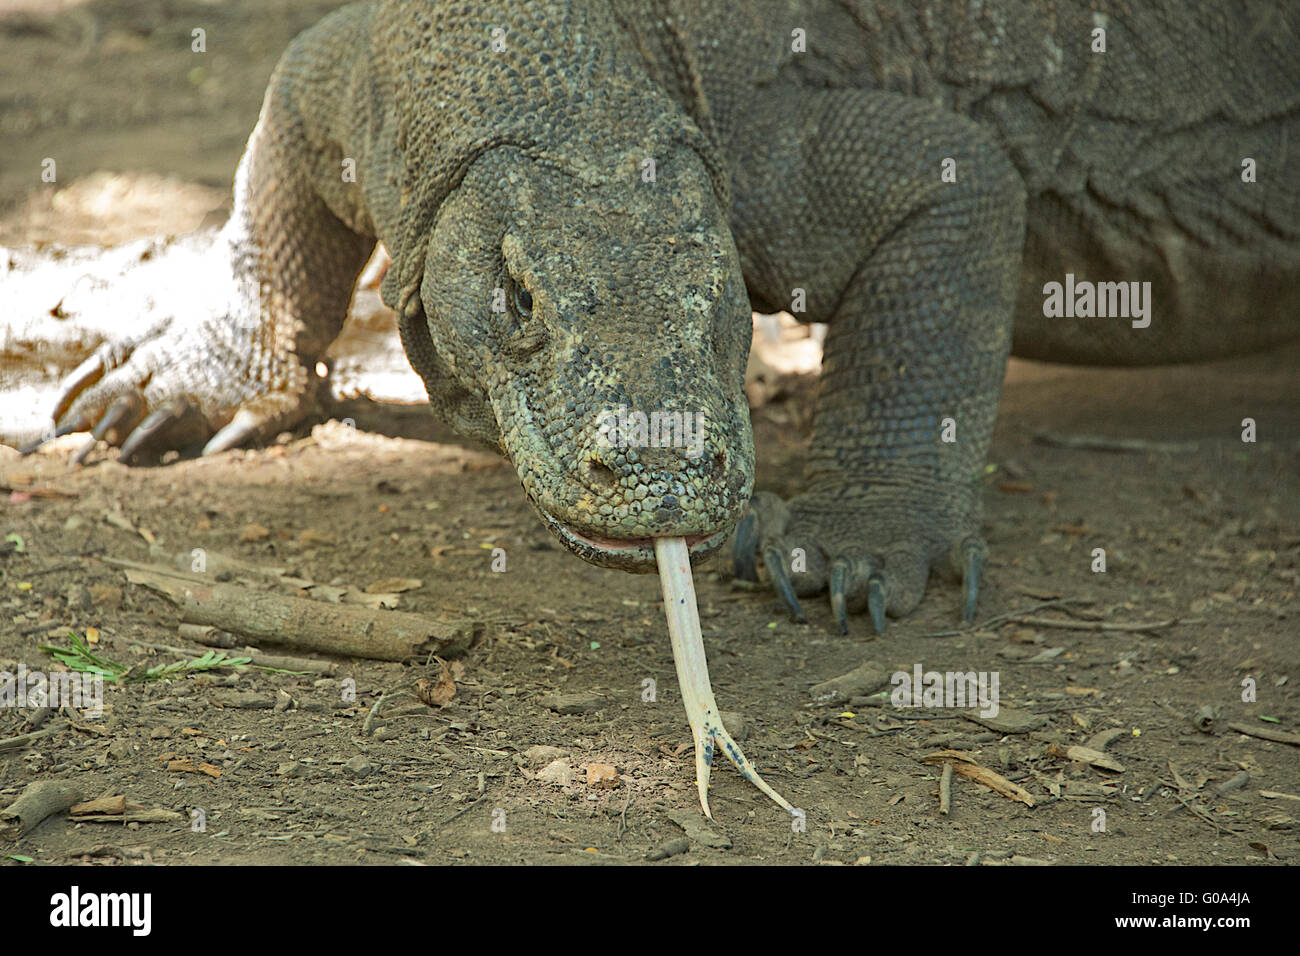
(601,475)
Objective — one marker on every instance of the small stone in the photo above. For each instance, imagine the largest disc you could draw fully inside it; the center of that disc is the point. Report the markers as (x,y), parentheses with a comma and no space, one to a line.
(698,829)
(557,772)
(358,766)
(572,703)
(106,596)
(119,749)
(602,776)
(670,849)
(540,754)
(254,532)
(863,679)
(78,597)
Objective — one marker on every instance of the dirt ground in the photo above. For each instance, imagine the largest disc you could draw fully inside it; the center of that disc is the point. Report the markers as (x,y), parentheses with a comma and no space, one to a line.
(1201,533)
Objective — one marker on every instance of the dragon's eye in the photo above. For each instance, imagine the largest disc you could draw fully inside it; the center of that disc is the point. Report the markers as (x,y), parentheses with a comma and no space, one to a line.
(523,301)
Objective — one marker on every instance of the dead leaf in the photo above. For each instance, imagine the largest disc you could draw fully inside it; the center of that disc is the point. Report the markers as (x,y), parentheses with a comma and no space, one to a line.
(118,520)
(1086,755)
(387,601)
(1008,720)
(437,693)
(1073,530)
(185,765)
(394,585)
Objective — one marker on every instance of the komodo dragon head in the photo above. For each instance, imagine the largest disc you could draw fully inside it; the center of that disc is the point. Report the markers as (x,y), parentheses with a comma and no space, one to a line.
(570,292)
(606,328)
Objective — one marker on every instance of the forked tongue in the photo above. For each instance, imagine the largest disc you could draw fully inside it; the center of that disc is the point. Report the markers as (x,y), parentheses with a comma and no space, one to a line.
(693,672)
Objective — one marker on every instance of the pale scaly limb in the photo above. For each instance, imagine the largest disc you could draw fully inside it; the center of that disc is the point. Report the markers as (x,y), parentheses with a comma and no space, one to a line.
(693,673)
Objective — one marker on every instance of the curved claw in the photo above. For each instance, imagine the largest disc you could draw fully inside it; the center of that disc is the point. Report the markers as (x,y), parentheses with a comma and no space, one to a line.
(154,423)
(838,585)
(742,552)
(781,581)
(120,411)
(876,601)
(78,424)
(83,376)
(242,427)
(970,581)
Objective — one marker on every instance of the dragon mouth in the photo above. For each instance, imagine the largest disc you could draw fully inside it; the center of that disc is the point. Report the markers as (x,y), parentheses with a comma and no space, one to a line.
(627,554)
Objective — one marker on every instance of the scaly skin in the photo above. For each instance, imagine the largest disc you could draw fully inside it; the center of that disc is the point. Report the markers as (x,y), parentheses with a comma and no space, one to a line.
(542,278)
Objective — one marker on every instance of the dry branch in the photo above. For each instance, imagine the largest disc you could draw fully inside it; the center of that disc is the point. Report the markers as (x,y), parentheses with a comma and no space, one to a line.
(350,630)
(1099,625)
(1266,733)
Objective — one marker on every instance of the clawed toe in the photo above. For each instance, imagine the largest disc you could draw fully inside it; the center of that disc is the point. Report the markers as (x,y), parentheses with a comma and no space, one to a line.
(775,564)
(125,411)
(83,376)
(867,560)
(76,424)
(839,601)
(973,555)
(164,422)
(876,602)
(744,548)
(242,427)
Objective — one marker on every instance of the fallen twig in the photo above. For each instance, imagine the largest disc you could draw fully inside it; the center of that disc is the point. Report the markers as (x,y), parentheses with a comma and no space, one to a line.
(1103,625)
(945,788)
(118,810)
(23,740)
(1193,808)
(1120,445)
(276,662)
(1266,733)
(1009,615)
(1086,755)
(208,636)
(214,563)
(965,765)
(351,630)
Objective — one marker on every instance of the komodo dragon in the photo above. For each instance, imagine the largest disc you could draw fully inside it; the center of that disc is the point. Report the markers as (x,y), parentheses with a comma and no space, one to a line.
(584,199)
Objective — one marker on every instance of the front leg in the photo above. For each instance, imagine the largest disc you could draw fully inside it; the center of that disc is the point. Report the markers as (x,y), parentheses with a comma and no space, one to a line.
(236,326)
(917,277)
